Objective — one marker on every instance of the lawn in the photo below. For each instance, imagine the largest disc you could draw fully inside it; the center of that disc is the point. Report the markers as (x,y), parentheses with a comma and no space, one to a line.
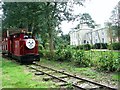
(16,76)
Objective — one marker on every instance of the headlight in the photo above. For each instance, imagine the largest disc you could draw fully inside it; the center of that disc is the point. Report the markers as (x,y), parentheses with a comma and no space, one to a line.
(30,43)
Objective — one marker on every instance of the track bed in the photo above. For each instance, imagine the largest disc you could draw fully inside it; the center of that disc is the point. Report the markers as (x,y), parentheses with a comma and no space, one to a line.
(65,78)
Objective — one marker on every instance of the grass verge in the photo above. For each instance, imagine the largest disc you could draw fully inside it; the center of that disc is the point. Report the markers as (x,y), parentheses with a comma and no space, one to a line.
(88,72)
(16,76)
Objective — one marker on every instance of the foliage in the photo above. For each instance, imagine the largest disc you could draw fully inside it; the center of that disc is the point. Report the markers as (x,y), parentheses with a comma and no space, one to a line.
(45,54)
(116,31)
(100,46)
(62,40)
(87,46)
(63,55)
(115,23)
(85,71)
(108,62)
(81,47)
(81,59)
(46,46)
(84,47)
(85,18)
(41,47)
(116,46)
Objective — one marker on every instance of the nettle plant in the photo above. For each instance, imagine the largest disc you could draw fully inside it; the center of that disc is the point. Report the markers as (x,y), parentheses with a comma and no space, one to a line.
(81,59)
(108,62)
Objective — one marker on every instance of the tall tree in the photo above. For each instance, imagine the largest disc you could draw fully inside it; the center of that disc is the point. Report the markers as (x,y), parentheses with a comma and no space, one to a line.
(85,18)
(115,20)
(116,31)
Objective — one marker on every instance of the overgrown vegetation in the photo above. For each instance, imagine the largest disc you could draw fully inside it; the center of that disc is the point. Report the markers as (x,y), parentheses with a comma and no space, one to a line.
(101,60)
(87,72)
(109,62)
(116,46)
(63,55)
(81,59)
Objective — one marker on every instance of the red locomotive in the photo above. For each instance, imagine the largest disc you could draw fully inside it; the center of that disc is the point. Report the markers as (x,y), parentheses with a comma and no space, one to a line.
(21,46)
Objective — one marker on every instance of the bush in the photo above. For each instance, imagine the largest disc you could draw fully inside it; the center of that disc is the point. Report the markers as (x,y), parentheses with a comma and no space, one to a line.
(44,54)
(116,46)
(108,62)
(46,45)
(79,47)
(63,55)
(81,59)
(87,46)
(41,47)
(84,47)
(100,46)
(41,53)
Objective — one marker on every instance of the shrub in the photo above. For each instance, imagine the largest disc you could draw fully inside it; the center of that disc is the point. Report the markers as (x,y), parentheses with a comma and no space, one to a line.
(100,46)
(79,47)
(41,47)
(116,46)
(81,59)
(63,55)
(108,62)
(87,46)
(44,54)
(46,45)
(41,53)
(84,47)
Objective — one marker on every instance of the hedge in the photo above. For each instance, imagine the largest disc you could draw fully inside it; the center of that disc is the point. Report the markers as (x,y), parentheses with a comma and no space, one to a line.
(100,46)
(84,47)
(116,46)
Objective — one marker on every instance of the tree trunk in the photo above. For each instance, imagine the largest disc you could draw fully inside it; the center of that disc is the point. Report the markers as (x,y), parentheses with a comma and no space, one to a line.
(118,38)
(118,35)
(50,31)
(51,46)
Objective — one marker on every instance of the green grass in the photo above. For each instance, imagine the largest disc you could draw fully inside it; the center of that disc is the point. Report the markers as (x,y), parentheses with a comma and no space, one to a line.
(116,76)
(88,72)
(15,76)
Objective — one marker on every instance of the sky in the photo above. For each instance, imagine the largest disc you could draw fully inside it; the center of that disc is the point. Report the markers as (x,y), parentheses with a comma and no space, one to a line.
(100,11)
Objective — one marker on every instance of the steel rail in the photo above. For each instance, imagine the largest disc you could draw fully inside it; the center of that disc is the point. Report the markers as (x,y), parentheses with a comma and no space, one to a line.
(95,83)
(57,78)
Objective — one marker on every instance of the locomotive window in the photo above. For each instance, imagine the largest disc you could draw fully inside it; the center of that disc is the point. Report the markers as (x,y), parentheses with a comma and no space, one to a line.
(25,37)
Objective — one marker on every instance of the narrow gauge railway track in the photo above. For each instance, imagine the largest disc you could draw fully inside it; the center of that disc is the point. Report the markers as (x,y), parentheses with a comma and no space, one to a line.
(75,81)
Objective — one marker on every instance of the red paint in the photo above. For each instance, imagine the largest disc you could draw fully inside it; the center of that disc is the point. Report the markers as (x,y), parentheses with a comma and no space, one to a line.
(15,44)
